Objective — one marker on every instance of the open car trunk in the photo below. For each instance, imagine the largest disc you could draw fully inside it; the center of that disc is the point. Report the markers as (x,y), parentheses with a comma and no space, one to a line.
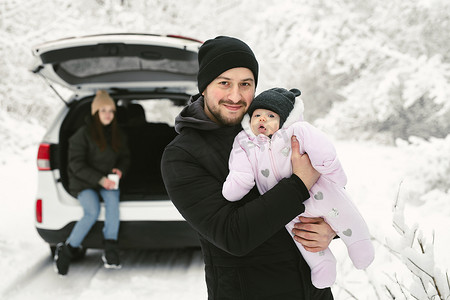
(146,141)
(133,69)
(120,61)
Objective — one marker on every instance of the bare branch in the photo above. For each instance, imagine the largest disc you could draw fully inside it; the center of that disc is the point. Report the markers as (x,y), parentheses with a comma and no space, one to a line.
(390,293)
(397,254)
(448,281)
(422,248)
(401,286)
(398,228)
(348,292)
(374,288)
(414,237)
(398,195)
(417,266)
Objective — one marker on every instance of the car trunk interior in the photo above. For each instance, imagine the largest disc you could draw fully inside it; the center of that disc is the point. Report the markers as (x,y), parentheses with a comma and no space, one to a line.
(146,141)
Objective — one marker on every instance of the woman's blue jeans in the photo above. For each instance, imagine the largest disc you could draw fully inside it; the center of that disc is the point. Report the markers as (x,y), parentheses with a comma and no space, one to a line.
(90,201)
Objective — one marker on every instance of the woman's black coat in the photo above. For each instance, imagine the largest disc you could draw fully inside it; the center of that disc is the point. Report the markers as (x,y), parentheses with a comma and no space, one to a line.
(88,164)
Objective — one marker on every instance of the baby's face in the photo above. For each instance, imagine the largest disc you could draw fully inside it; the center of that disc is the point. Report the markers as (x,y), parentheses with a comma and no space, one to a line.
(264,121)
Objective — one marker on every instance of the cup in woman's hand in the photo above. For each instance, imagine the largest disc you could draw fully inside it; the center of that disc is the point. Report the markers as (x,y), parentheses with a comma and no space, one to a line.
(115,178)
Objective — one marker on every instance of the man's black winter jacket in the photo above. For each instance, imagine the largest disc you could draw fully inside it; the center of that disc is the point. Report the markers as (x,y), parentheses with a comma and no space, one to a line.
(247,251)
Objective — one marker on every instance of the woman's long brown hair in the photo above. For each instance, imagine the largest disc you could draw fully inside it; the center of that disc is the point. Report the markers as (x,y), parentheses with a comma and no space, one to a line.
(98,135)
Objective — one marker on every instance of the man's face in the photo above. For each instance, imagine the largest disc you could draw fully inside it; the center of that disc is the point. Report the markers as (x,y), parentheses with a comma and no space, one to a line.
(228,96)
(264,121)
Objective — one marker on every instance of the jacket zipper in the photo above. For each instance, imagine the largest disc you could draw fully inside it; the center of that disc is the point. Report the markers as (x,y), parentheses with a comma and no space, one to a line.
(272,162)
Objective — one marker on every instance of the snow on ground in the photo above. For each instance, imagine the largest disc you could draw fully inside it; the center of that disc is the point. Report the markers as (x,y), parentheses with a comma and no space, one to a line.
(375,173)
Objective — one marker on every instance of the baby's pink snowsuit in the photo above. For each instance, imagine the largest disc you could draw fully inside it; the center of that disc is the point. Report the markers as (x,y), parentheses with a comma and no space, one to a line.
(267,160)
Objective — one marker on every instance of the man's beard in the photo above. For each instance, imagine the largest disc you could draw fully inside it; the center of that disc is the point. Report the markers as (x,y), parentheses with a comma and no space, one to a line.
(224,120)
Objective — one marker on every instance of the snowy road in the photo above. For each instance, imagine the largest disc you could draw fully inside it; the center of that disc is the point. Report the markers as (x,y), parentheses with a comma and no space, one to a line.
(155,274)
(26,270)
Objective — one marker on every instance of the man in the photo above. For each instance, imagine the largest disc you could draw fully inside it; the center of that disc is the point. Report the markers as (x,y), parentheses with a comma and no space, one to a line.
(247,251)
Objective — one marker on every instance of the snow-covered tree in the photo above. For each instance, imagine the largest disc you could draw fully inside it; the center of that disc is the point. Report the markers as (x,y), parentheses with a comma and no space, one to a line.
(428,280)
(429,173)
(366,69)
(380,68)
(394,70)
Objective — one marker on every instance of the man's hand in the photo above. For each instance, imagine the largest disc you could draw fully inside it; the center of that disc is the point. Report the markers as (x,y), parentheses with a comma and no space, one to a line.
(301,165)
(313,233)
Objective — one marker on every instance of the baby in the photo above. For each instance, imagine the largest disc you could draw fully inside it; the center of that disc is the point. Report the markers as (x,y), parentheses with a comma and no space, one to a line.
(261,153)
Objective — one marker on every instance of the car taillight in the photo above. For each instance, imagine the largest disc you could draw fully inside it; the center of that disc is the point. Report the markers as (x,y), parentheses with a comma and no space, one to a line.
(39,210)
(43,158)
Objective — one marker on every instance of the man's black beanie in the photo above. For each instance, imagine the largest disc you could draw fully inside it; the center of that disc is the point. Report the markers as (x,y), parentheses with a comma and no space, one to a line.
(278,100)
(218,55)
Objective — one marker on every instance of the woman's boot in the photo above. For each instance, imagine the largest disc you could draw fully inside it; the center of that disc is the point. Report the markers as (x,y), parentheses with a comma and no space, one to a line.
(111,259)
(63,256)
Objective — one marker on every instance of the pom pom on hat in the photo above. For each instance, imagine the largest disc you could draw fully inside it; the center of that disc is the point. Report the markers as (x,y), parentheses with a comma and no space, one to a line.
(102,98)
(220,54)
(278,100)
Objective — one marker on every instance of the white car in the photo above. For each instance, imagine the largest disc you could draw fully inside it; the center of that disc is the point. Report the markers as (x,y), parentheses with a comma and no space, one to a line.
(150,77)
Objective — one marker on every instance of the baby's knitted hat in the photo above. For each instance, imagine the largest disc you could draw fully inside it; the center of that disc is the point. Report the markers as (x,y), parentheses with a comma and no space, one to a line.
(278,100)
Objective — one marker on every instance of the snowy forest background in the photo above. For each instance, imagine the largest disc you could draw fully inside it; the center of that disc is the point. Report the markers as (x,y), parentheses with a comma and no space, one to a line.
(368,70)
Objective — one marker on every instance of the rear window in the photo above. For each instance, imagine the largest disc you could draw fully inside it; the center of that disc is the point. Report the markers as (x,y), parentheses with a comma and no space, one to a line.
(87,67)
(122,63)
(160,110)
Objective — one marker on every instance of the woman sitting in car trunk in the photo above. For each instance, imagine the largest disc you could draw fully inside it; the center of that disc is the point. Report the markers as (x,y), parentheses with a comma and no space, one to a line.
(97,149)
